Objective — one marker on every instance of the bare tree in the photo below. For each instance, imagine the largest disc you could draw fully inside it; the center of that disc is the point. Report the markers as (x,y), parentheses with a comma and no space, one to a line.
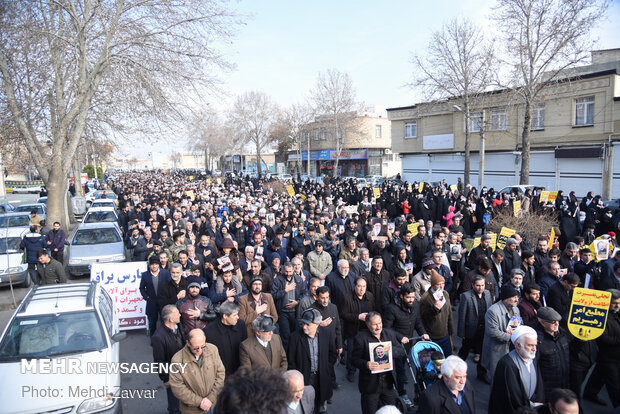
(251,118)
(291,128)
(70,66)
(542,39)
(458,65)
(334,98)
(208,136)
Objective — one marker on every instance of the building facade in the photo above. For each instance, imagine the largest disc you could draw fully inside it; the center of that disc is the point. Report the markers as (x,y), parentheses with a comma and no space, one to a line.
(366,147)
(575,129)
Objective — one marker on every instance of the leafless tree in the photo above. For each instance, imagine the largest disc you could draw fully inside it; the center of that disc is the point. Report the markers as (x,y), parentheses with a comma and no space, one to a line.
(70,66)
(290,130)
(333,99)
(208,136)
(542,39)
(251,119)
(457,65)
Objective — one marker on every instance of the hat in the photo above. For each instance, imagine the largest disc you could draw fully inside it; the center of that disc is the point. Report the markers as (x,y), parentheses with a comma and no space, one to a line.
(256,278)
(193,284)
(311,316)
(157,243)
(436,278)
(548,314)
(319,243)
(263,323)
(508,291)
(485,237)
(154,260)
(227,244)
(311,228)
(522,330)
(428,262)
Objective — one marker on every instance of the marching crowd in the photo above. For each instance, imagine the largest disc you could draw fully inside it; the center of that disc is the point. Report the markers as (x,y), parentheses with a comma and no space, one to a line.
(244,277)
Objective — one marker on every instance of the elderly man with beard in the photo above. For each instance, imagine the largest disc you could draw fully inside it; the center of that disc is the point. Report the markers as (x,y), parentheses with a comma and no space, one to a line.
(404,317)
(517,382)
(340,283)
(499,322)
(196,310)
(451,394)
(175,289)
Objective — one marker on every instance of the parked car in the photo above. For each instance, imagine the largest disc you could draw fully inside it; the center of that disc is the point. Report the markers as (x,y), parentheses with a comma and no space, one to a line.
(285,177)
(103,202)
(94,243)
(100,194)
(27,208)
(42,200)
(217,173)
(58,322)
(19,220)
(101,214)
(13,267)
(6,208)
(520,189)
(31,189)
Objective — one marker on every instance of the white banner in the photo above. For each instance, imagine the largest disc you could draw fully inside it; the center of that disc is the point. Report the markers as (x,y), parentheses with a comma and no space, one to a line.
(122,282)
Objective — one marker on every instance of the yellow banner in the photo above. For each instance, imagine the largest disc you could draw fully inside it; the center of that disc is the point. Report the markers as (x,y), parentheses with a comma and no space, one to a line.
(476,242)
(208,181)
(191,195)
(551,237)
(410,188)
(588,313)
(552,196)
(493,240)
(413,228)
(191,178)
(219,181)
(504,234)
(544,197)
(453,187)
(376,192)
(290,190)
(516,206)
(420,186)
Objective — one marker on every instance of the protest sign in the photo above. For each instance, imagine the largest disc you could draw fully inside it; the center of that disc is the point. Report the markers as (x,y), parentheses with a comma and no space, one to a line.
(290,190)
(588,313)
(516,206)
(122,282)
(504,234)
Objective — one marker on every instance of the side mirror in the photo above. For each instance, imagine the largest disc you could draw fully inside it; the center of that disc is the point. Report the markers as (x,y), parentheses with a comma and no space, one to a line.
(117,337)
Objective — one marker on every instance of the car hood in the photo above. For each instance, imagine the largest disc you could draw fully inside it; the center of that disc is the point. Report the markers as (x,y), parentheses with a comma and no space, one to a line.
(10,260)
(95,251)
(22,394)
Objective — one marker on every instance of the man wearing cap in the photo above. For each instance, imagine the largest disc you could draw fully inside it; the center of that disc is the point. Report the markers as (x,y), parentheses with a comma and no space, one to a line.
(561,294)
(482,250)
(511,256)
(436,314)
(256,303)
(263,348)
(151,283)
(422,280)
(312,351)
(517,382)
(196,310)
(499,322)
(376,388)
(552,356)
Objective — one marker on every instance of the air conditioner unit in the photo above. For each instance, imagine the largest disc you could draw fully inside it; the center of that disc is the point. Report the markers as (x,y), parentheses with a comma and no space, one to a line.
(387,151)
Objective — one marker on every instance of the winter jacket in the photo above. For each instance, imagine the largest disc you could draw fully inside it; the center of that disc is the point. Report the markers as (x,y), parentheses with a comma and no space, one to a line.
(203,304)
(32,242)
(403,319)
(51,273)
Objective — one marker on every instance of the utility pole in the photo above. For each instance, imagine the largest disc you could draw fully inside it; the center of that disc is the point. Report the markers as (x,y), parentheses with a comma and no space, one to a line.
(482,153)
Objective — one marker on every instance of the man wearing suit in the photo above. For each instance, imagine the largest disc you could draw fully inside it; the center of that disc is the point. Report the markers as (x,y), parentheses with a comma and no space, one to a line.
(376,388)
(312,351)
(151,283)
(301,397)
(451,394)
(263,348)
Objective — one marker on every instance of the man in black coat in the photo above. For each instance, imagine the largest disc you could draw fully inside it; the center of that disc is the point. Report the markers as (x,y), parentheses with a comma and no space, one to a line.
(452,394)
(561,294)
(552,353)
(151,283)
(167,340)
(517,382)
(376,389)
(312,351)
(227,333)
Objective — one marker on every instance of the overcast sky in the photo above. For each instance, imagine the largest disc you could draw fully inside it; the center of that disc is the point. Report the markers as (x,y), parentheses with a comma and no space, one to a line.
(285,44)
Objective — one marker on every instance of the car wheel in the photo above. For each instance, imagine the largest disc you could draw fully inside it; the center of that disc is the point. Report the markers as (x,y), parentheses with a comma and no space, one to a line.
(27,281)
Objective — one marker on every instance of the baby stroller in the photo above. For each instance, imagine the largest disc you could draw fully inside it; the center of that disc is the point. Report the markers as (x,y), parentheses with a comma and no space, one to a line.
(421,356)
(426,374)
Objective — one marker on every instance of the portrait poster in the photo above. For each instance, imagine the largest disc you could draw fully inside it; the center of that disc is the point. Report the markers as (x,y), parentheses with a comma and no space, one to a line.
(381,353)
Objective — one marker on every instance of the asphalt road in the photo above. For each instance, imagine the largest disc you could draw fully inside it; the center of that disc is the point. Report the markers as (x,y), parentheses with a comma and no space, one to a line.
(136,348)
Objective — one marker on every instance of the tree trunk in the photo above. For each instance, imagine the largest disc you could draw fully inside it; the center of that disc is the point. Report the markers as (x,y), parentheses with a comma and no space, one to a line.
(525,143)
(258,167)
(467,169)
(56,197)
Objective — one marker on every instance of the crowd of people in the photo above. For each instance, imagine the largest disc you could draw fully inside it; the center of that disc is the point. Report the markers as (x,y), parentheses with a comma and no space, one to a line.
(242,276)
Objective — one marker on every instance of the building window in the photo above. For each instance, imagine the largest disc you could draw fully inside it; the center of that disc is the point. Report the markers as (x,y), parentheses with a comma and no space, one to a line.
(584,111)
(475,121)
(411,129)
(316,134)
(339,134)
(323,134)
(499,120)
(377,131)
(538,117)
(305,136)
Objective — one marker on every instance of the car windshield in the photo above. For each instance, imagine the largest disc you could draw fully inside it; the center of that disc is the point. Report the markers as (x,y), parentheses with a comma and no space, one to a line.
(21,209)
(107,194)
(99,216)
(10,245)
(95,236)
(15,221)
(51,335)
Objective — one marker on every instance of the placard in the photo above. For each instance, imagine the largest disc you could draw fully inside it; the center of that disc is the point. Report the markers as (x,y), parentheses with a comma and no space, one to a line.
(588,313)
(381,353)
(413,228)
(290,190)
(421,186)
(516,206)
(504,234)
(122,282)
(544,197)
(376,192)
